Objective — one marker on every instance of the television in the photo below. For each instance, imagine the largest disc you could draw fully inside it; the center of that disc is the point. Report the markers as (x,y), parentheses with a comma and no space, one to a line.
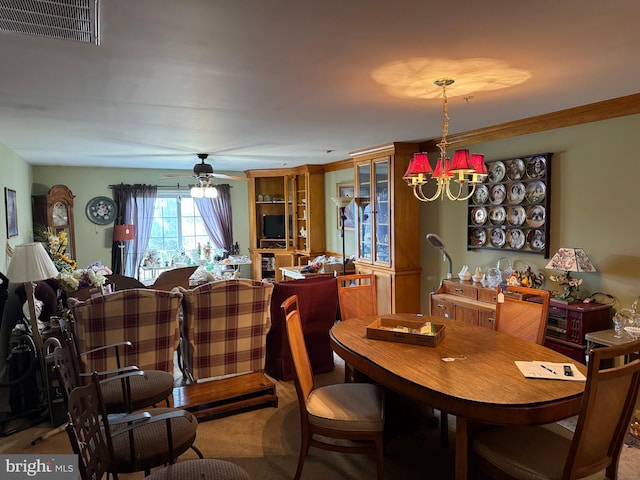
(273,226)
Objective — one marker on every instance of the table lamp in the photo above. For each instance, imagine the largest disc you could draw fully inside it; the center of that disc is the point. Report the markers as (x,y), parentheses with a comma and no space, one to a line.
(569,260)
(121,234)
(342,203)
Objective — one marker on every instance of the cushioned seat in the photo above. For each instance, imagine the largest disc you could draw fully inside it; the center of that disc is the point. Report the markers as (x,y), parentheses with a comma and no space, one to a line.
(318,303)
(149,452)
(206,469)
(148,389)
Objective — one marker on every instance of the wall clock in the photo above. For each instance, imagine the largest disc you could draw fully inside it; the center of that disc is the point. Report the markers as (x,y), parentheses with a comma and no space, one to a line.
(101,210)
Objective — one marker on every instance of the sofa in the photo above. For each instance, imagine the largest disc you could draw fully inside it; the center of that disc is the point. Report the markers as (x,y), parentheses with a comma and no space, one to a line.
(318,304)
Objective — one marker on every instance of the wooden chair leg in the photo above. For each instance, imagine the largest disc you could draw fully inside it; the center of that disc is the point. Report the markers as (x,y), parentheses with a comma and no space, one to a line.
(304,451)
(444,429)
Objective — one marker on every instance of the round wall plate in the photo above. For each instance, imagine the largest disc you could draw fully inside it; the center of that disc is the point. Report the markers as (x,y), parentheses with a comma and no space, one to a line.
(101,210)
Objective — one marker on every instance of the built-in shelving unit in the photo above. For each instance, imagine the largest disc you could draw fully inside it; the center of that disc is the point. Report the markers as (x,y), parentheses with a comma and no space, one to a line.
(286,218)
(387,237)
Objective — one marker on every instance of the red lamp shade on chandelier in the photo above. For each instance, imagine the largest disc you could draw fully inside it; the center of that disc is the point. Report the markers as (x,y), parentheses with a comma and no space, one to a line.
(466,170)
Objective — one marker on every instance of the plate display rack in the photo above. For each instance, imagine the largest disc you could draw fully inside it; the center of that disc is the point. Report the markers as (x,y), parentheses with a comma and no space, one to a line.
(510,210)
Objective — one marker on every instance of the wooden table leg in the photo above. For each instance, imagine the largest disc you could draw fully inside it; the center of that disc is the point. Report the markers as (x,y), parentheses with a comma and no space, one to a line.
(462,448)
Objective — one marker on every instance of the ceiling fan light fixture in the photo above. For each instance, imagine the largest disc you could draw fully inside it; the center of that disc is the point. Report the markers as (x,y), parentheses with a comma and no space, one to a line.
(197,192)
(204,191)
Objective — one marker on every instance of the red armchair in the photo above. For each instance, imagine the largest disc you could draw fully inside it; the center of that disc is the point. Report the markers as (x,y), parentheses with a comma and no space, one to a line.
(318,304)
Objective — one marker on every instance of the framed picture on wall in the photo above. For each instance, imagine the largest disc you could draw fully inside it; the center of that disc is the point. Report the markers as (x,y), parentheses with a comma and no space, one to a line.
(347,190)
(12,212)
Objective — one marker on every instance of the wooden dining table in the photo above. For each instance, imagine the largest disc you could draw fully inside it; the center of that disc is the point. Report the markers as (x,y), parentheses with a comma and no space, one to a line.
(471,374)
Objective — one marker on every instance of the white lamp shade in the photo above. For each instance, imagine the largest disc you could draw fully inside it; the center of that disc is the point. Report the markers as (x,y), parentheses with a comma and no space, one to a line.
(31,263)
(342,202)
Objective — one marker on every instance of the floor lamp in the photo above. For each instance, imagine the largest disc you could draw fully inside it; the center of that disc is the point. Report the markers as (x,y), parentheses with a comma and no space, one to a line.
(342,203)
(121,234)
(31,263)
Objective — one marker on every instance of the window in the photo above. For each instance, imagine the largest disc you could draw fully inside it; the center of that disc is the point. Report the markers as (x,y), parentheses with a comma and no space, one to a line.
(177,227)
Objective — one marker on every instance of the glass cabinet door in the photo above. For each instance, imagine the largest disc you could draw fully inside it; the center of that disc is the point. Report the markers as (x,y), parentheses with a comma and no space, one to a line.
(374,234)
(365,213)
(382,240)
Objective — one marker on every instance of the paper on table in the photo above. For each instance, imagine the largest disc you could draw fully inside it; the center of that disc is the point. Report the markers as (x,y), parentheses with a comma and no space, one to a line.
(549,370)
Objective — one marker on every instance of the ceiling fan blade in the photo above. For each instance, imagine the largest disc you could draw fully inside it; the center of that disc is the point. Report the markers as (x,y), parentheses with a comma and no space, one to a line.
(229,177)
(176,175)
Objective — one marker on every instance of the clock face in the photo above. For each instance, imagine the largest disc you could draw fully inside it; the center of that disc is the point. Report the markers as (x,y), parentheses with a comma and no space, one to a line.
(101,210)
(60,214)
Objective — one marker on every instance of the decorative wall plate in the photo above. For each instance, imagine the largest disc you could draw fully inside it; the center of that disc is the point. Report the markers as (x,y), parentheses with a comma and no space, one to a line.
(516,238)
(481,195)
(537,167)
(497,237)
(479,215)
(497,194)
(478,237)
(515,169)
(101,210)
(496,172)
(497,215)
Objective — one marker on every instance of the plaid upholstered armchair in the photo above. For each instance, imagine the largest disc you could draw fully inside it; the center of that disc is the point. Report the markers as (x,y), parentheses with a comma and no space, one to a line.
(146,318)
(224,328)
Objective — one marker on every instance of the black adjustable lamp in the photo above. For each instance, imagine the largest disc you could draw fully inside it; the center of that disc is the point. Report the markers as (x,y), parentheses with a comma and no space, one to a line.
(342,203)
(437,242)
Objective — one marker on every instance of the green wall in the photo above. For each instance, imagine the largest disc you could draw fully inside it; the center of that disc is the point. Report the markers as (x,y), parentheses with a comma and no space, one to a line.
(93,242)
(593,206)
(595,174)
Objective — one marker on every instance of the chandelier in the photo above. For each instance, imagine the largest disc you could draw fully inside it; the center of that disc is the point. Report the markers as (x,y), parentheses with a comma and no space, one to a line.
(204,190)
(465,169)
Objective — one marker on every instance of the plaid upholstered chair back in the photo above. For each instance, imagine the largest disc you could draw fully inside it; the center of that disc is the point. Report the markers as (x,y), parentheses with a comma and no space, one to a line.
(146,318)
(224,327)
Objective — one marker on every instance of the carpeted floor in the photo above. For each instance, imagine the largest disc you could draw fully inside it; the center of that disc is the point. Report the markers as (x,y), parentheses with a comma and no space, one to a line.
(265,442)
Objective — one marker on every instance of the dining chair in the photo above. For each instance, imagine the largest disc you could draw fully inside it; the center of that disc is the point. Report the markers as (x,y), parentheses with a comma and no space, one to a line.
(101,446)
(124,389)
(523,313)
(357,295)
(552,451)
(351,411)
(357,298)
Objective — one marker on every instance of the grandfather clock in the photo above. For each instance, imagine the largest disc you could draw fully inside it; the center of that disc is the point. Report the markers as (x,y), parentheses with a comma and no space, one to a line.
(55,210)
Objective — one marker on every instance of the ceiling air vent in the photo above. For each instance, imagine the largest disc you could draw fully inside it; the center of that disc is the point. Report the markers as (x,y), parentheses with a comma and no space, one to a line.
(76,20)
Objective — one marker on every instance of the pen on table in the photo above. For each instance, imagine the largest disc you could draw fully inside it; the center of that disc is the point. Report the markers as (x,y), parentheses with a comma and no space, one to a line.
(548,369)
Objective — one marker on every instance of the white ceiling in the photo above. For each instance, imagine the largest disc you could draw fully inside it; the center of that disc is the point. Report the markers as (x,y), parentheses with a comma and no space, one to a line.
(271,83)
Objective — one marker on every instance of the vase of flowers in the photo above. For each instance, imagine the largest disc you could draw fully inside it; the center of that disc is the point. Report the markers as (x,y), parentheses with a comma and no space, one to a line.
(55,243)
(570,284)
(91,278)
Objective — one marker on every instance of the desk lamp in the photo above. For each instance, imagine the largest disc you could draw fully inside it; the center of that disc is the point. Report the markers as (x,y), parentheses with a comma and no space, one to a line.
(342,203)
(437,242)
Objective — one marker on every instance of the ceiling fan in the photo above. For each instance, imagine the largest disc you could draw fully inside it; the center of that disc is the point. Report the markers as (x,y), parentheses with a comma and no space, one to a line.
(203,172)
